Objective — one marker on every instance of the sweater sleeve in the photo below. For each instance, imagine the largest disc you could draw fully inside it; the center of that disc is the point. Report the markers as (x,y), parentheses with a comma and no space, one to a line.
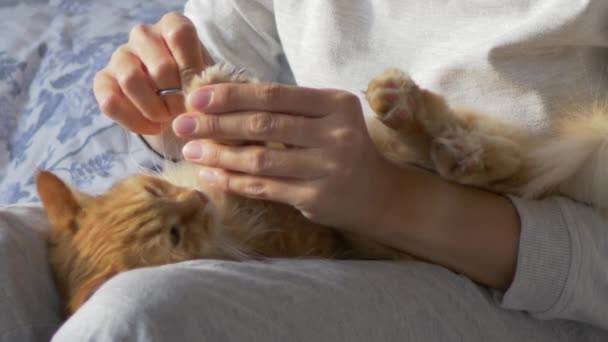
(562,268)
(241,32)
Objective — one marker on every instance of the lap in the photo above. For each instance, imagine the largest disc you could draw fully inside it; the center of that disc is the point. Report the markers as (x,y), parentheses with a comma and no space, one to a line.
(296,300)
(274,300)
(31,309)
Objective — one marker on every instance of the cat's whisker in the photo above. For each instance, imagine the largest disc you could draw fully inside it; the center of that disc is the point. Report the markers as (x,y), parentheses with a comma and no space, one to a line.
(258,234)
(233,251)
(129,149)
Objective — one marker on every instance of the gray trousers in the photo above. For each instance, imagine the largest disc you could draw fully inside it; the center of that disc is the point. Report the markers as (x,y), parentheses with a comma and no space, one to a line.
(277,300)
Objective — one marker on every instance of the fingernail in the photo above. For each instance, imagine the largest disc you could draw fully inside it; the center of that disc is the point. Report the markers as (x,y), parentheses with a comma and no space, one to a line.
(208,175)
(185,125)
(201,99)
(192,151)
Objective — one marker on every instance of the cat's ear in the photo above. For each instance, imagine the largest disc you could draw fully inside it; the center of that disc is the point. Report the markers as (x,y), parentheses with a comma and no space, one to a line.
(86,290)
(60,203)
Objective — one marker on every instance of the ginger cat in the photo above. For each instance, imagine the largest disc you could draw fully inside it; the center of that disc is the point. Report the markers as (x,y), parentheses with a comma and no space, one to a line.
(153,220)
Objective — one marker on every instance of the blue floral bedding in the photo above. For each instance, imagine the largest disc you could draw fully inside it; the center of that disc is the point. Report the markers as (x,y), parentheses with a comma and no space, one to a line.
(50,51)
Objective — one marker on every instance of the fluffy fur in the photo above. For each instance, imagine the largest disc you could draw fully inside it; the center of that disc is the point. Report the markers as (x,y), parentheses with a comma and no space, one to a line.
(152,220)
(569,159)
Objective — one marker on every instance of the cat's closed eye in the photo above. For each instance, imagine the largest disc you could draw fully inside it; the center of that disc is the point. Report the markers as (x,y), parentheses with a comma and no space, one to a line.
(175,235)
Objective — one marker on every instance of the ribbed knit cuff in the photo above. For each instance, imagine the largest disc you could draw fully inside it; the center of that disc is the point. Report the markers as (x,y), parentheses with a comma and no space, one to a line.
(544,258)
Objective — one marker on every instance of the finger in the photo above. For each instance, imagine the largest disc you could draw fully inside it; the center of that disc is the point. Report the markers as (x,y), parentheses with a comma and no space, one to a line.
(159,64)
(180,35)
(254,126)
(292,192)
(114,104)
(272,97)
(127,69)
(259,160)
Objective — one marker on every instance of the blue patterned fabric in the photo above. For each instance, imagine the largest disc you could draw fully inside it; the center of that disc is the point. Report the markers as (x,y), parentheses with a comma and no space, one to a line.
(50,51)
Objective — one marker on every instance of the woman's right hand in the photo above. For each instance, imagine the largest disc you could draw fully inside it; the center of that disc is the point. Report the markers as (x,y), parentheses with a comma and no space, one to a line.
(160,56)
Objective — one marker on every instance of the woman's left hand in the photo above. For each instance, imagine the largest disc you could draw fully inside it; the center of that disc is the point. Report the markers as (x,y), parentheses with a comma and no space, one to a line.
(332,173)
(336,177)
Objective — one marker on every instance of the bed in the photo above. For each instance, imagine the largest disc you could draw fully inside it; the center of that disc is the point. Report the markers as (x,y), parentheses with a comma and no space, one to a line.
(50,51)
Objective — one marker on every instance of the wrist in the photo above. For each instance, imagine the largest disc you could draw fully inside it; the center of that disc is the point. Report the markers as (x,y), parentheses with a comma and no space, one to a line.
(465,229)
(390,197)
(412,204)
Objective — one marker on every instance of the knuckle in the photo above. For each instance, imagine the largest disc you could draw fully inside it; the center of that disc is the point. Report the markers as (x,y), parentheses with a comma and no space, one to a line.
(163,70)
(344,136)
(97,80)
(119,53)
(224,93)
(210,125)
(130,79)
(349,99)
(255,188)
(258,161)
(138,32)
(172,16)
(109,105)
(181,34)
(269,93)
(330,166)
(311,204)
(261,124)
(212,156)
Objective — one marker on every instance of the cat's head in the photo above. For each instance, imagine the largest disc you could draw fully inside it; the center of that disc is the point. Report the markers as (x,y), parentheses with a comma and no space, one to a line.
(142,221)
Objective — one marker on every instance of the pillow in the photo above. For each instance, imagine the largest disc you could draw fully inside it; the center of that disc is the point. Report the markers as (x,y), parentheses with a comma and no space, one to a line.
(31,306)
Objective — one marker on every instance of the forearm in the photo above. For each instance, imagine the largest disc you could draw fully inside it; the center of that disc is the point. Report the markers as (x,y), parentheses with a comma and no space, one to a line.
(470,231)
(549,254)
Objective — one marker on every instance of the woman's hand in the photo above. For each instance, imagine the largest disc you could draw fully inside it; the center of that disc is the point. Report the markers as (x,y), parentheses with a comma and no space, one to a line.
(164,55)
(333,174)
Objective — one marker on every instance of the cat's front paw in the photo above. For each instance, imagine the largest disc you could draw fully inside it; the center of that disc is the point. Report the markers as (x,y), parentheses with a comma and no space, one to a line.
(221,73)
(474,158)
(394,97)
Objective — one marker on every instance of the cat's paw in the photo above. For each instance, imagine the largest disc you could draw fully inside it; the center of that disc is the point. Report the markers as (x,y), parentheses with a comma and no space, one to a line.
(226,73)
(394,97)
(221,73)
(473,158)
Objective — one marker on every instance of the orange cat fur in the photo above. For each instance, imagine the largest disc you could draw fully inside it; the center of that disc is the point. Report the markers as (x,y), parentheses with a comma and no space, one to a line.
(147,221)
(570,158)
(153,220)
